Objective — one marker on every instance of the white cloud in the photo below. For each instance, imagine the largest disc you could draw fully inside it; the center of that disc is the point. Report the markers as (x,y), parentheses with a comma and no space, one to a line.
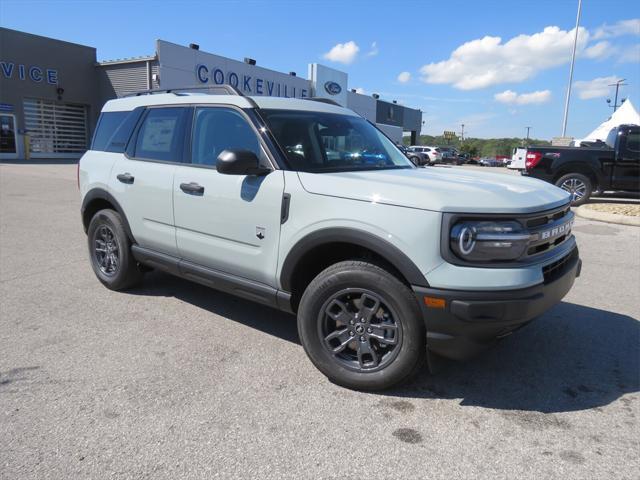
(619,29)
(596,88)
(510,97)
(490,61)
(373,51)
(599,50)
(360,90)
(630,54)
(404,77)
(343,52)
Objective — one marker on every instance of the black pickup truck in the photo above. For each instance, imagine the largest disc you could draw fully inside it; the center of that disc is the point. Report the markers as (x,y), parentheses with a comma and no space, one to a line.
(614,165)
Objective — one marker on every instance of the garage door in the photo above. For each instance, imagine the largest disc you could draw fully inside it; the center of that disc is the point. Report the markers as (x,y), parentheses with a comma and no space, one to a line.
(57,130)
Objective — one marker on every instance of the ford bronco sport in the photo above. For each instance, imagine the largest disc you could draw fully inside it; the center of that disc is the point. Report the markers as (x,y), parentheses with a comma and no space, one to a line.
(306,207)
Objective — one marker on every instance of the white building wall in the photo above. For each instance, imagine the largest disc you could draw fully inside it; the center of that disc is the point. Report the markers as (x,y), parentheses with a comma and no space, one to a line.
(185,67)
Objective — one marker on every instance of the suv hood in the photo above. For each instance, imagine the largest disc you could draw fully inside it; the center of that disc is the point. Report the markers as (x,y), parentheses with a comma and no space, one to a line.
(439,189)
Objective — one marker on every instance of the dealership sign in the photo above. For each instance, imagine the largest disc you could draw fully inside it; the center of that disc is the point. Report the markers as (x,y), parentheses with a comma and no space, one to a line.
(248,84)
(332,88)
(32,72)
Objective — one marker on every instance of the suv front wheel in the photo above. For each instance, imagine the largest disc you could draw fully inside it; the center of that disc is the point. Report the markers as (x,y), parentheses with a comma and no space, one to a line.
(361,326)
(110,251)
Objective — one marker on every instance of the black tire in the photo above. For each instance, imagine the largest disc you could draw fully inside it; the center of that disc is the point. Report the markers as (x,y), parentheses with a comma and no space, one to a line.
(578,185)
(106,237)
(397,306)
(416,161)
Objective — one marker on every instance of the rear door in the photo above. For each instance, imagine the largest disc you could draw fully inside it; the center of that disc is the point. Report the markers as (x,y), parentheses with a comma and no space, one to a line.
(142,178)
(626,170)
(229,223)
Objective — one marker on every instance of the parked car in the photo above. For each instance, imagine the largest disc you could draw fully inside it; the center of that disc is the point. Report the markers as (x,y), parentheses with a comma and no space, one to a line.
(489,162)
(518,158)
(432,155)
(583,170)
(450,156)
(503,160)
(381,261)
(417,158)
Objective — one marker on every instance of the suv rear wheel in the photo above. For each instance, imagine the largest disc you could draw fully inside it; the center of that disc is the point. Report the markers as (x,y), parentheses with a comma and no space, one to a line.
(361,326)
(578,185)
(110,251)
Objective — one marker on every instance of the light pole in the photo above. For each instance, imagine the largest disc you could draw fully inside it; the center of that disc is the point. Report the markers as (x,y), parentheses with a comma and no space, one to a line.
(462,133)
(618,84)
(528,128)
(573,60)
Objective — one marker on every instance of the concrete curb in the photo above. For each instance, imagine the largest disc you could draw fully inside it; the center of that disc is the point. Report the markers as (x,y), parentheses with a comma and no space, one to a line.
(585,212)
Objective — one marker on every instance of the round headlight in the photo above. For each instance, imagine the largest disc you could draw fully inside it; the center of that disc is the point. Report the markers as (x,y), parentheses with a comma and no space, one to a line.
(486,241)
(466,240)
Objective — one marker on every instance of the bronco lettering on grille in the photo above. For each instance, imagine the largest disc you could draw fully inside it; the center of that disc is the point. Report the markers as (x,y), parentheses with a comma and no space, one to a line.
(556,231)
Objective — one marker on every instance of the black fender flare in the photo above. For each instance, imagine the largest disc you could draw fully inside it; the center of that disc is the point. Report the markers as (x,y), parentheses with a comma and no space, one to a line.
(381,247)
(102,194)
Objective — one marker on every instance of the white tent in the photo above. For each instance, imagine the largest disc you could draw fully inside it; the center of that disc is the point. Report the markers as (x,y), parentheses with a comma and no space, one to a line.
(626,114)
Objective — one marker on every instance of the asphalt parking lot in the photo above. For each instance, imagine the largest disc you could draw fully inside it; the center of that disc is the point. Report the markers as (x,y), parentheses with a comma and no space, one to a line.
(173,380)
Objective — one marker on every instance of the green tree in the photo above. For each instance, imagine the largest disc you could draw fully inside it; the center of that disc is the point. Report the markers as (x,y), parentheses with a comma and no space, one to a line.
(469,148)
(485,147)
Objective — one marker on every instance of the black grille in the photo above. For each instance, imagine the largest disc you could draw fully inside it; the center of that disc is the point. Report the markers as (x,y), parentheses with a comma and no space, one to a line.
(555,270)
(538,224)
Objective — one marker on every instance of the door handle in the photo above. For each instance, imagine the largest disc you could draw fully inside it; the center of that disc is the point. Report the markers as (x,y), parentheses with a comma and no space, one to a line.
(192,188)
(126,178)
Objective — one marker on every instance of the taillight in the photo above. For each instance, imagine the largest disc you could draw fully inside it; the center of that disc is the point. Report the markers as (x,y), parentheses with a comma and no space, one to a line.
(532,159)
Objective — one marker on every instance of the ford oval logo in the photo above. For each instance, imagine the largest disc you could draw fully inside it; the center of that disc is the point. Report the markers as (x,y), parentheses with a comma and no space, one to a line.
(332,88)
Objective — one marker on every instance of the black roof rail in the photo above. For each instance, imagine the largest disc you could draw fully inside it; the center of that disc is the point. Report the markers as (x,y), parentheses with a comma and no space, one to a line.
(222,89)
(323,100)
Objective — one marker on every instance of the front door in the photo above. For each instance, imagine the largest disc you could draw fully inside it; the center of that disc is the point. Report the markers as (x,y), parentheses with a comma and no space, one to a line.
(230,223)
(626,170)
(8,137)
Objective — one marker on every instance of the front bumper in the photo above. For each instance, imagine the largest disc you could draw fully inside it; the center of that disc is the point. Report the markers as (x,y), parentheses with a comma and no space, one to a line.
(470,321)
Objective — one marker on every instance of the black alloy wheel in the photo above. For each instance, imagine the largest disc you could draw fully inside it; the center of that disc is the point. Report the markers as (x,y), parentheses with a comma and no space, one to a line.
(360,330)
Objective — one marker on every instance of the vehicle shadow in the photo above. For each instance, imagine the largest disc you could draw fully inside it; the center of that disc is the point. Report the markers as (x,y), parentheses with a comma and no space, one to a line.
(572,358)
(252,314)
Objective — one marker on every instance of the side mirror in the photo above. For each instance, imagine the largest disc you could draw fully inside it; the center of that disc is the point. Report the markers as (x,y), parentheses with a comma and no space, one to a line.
(240,162)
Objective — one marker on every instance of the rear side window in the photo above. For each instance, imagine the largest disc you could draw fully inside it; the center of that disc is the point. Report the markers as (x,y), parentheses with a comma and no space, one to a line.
(119,139)
(161,135)
(107,125)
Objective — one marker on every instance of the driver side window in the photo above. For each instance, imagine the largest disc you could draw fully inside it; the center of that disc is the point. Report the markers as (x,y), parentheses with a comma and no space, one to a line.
(217,129)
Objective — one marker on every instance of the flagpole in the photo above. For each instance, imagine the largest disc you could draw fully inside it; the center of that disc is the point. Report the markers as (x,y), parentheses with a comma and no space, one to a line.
(573,60)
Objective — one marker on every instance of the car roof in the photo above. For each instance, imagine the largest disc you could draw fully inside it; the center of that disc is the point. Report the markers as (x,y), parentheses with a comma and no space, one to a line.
(187,98)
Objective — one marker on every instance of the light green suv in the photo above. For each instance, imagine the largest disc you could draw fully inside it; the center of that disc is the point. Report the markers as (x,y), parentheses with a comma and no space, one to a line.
(304,206)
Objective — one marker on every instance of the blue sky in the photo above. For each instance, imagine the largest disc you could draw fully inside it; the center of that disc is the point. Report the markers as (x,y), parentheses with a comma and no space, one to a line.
(509,70)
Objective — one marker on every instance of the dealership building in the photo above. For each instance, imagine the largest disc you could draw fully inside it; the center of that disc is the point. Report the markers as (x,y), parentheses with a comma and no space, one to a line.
(51,91)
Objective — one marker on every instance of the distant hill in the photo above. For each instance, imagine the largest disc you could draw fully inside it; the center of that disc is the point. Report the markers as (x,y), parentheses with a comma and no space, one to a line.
(482,147)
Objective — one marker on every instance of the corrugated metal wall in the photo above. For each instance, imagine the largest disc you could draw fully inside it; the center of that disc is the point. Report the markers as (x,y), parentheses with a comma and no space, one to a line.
(127,77)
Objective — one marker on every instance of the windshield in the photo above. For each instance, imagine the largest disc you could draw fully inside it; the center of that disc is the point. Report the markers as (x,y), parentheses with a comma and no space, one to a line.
(330,142)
